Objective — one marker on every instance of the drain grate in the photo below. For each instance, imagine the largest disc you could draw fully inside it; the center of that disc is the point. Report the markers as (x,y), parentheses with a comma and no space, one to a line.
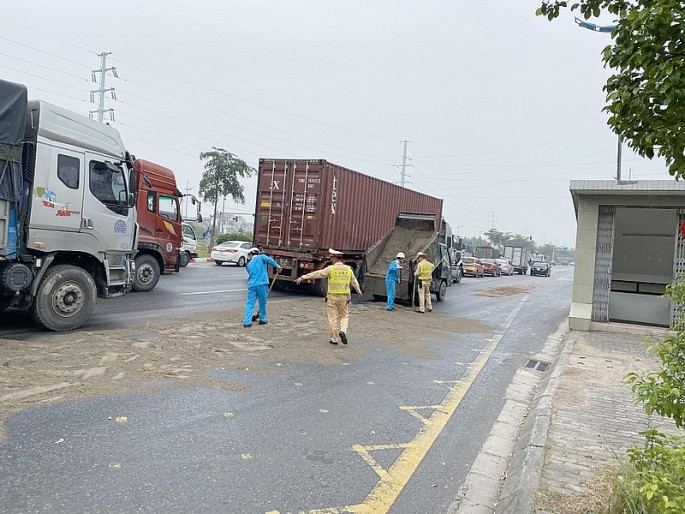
(540,366)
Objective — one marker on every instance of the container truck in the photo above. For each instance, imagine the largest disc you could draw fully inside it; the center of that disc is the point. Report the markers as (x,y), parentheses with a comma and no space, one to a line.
(67,211)
(519,258)
(412,233)
(304,207)
(160,242)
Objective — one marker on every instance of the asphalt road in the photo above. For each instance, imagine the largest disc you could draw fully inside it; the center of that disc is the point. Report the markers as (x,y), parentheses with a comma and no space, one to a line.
(392,432)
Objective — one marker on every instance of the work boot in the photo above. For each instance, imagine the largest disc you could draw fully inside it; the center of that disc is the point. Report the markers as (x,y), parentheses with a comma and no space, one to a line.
(343,337)
(263,322)
(333,342)
(247,325)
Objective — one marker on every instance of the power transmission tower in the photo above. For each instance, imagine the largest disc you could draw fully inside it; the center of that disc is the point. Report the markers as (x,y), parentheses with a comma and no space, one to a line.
(492,221)
(102,90)
(404,165)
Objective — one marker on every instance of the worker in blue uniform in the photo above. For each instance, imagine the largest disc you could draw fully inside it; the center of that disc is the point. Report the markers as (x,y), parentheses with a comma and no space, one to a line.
(393,277)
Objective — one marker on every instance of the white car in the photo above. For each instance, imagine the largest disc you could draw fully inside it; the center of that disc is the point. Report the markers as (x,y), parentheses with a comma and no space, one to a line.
(231,251)
(505,264)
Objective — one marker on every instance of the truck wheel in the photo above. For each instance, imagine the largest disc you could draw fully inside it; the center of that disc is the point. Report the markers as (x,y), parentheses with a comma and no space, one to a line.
(185,259)
(65,298)
(321,287)
(280,285)
(5,302)
(442,291)
(460,274)
(147,273)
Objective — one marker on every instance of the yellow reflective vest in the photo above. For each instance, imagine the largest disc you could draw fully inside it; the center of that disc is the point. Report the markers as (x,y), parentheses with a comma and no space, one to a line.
(425,270)
(339,279)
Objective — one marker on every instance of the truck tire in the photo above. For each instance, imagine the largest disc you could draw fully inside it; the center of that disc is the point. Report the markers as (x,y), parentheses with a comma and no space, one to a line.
(65,298)
(185,259)
(321,287)
(460,273)
(280,285)
(147,273)
(442,291)
(5,302)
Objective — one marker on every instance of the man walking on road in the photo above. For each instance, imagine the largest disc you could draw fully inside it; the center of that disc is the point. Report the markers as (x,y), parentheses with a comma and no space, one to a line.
(392,277)
(339,276)
(257,285)
(424,275)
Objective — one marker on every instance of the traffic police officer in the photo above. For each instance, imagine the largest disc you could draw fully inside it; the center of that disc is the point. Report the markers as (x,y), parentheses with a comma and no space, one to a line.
(339,276)
(424,275)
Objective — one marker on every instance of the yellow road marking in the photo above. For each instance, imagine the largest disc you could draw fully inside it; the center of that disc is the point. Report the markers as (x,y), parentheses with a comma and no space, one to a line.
(393,480)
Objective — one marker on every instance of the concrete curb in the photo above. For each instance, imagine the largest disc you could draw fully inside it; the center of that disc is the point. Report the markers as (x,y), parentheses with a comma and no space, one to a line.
(202,259)
(482,488)
(525,470)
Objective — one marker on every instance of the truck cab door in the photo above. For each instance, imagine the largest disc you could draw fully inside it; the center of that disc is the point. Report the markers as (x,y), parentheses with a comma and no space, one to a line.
(168,229)
(106,215)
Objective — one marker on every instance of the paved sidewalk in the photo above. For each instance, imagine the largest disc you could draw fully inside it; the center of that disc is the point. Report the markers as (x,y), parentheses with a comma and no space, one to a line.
(580,423)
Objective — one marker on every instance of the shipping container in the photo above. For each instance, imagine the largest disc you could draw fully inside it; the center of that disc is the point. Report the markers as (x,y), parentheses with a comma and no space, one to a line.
(304,207)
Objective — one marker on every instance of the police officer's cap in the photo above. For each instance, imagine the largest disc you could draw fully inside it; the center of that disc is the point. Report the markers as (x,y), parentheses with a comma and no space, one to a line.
(420,254)
(335,252)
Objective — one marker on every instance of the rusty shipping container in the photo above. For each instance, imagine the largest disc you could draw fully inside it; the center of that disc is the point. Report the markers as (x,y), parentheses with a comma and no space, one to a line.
(305,207)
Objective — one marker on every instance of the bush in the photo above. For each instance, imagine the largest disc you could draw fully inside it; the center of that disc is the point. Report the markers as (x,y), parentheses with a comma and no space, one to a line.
(233,237)
(654,479)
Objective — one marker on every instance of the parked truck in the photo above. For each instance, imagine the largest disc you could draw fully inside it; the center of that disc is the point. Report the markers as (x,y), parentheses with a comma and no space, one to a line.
(412,233)
(67,211)
(160,242)
(519,258)
(305,207)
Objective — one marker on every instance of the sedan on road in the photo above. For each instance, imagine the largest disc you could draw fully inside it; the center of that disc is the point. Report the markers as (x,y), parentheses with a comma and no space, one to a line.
(505,265)
(541,269)
(490,267)
(472,267)
(231,251)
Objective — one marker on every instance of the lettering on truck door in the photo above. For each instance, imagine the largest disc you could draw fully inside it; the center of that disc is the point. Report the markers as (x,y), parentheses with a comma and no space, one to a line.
(57,194)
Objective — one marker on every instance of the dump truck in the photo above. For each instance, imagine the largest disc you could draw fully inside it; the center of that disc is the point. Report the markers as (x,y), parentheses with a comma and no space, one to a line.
(412,233)
(304,207)
(68,227)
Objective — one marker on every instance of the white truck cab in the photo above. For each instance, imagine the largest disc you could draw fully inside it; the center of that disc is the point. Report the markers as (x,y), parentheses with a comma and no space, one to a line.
(189,248)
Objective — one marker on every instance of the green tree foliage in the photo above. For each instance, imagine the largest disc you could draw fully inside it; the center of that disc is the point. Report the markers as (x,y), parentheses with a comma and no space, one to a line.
(221,177)
(645,95)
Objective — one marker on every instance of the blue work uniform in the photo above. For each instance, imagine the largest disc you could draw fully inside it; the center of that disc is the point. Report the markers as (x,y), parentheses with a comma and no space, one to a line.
(257,286)
(392,277)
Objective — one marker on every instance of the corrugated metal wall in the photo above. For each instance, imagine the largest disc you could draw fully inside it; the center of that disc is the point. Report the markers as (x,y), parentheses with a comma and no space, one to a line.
(678,310)
(603,259)
(313,204)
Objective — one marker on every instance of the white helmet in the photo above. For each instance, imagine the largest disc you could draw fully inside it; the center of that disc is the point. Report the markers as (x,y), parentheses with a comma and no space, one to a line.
(253,251)
(400,255)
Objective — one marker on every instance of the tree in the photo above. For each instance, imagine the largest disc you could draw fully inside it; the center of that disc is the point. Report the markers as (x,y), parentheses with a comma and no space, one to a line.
(221,177)
(646,93)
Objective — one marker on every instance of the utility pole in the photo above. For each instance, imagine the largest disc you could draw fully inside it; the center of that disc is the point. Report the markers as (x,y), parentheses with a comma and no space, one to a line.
(102,90)
(618,159)
(404,165)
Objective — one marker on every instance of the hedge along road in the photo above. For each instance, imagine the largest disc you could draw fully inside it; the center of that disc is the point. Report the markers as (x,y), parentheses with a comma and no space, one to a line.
(202,415)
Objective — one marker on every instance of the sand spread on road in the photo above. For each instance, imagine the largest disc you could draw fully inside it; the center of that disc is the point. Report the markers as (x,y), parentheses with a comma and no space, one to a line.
(54,367)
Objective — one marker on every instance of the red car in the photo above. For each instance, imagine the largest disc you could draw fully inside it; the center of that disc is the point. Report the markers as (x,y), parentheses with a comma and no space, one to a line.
(490,267)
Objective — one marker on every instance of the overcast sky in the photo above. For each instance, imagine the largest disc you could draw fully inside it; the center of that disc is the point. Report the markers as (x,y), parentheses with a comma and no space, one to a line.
(502,108)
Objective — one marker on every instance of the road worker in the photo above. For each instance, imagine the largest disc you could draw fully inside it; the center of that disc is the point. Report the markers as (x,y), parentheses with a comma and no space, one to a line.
(339,276)
(392,277)
(257,285)
(424,275)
